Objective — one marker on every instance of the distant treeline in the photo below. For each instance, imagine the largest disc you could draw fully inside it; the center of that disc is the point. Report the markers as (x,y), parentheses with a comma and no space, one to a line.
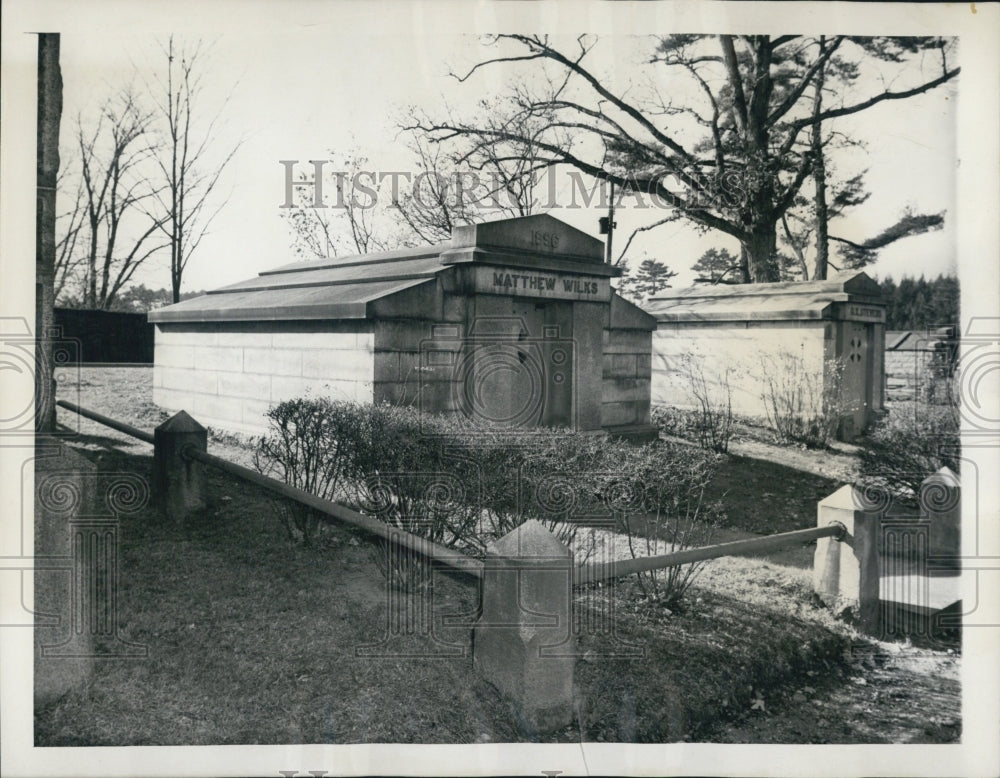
(135,299)
(919,304)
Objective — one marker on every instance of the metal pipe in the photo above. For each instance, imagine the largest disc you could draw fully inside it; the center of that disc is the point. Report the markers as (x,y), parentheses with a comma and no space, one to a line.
(599,572)
(581,575)
(107,421)
(435,551)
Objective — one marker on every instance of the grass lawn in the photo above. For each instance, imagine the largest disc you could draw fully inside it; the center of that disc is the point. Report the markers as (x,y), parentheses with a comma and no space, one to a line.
(765,497)
(253,639)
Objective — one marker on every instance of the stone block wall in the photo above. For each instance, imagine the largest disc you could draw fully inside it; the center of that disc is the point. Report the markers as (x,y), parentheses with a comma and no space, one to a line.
(227,377)
(589,322)
(398,374)
(625,377)
(737,358)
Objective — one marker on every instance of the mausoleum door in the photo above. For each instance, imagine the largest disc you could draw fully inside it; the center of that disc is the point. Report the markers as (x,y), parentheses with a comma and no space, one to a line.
(546,349)
(856,377)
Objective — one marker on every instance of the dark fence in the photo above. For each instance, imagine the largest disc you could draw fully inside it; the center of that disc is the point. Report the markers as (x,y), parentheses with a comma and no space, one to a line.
(108,336)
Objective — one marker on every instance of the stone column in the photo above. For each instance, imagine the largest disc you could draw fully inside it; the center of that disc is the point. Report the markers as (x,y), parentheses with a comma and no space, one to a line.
(846,572)
(523,642)
(178,482)
(940,502)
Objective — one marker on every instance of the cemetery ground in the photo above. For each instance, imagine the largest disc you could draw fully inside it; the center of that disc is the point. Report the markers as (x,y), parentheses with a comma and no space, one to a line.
(254,639)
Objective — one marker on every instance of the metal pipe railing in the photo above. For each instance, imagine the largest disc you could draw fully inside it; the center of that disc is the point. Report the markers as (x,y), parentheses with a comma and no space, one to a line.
(602,571)
(429,549)
(107,421)
(582,574)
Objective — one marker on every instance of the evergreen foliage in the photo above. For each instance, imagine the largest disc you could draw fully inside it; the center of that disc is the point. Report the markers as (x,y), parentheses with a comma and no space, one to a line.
(919,304)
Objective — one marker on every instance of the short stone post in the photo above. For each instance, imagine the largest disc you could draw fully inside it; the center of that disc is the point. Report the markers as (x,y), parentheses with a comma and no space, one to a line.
(523,642)
(846,571)
(941,504)
(178,482)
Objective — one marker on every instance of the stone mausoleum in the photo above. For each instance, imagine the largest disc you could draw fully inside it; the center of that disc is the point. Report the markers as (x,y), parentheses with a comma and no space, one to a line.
(773,348)
(513,322)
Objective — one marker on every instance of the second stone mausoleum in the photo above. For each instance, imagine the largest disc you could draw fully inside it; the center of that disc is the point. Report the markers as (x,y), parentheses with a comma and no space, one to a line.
(781,350)
(512,322)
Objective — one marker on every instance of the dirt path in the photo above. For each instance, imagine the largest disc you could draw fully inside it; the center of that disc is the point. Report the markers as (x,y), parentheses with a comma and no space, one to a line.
(888,693)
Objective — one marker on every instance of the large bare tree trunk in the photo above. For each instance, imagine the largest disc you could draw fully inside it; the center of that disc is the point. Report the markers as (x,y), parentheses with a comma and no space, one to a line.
(761,249)
(49,114)
(819,178)
(750,114)
(822,218)
(744,266)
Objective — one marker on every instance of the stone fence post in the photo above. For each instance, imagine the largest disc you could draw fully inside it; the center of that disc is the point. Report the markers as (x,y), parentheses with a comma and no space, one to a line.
(846,571)
(523,642)
(941,504)
(178,482)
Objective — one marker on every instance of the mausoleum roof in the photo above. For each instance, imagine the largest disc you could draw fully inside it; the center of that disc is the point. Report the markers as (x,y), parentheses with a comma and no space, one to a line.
(343,287)
(787,300)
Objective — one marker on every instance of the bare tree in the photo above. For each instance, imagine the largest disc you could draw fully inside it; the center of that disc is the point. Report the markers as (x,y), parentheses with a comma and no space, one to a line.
(369,228)
(429,209)
(345,215)
(733,160)
(69,227)
(113,192)
(314,229)
(446,186)
(186,164)
(472,177)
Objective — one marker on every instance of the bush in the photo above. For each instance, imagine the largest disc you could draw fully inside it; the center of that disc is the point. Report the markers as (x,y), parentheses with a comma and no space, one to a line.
(802,406)
(378,457)
(439,479)
(710,422)
(559,482)
(676,422)
(714,399)
(652,493)
(663,510)
(412,480)
(311,445)
(908,444)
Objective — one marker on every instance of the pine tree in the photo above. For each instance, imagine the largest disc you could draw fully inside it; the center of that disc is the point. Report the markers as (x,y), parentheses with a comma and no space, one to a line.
(753,105)
(717,266)
(919,304)
(944,302)
(650,278)
(888,289)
